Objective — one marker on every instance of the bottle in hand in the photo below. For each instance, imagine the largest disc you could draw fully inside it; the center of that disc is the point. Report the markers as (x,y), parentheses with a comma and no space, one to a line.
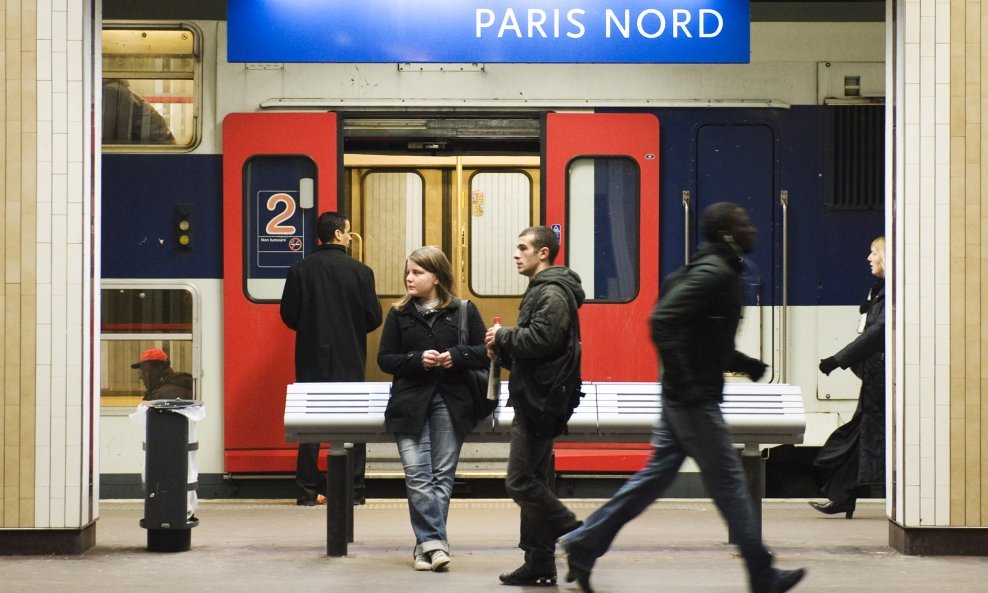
(494,380)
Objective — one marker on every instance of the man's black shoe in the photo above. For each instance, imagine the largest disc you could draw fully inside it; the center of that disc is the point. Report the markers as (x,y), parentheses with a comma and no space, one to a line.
(305,502)
(525,576)
(787,579)
(582,578)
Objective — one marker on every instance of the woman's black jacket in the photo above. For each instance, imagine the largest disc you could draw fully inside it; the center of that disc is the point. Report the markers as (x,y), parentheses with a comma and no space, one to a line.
(405,337)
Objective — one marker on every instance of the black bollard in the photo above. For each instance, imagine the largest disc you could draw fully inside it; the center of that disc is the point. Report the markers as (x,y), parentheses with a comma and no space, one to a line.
(166,483)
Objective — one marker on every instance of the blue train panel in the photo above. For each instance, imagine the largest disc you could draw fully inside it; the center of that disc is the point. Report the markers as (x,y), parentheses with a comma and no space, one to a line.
(140,195)
(728,152)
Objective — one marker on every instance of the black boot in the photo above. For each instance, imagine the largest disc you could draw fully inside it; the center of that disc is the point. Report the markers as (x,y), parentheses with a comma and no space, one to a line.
(832,508)
(528,575)
(582,578)
(787,579)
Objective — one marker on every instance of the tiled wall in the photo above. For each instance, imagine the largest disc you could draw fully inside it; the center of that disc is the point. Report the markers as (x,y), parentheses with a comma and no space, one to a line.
(48,269)
(938,420)
(17,293)
(966,258)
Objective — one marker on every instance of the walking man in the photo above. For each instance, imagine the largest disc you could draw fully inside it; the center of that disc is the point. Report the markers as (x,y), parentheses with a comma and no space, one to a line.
(693,327)
(543,354)
(329,301)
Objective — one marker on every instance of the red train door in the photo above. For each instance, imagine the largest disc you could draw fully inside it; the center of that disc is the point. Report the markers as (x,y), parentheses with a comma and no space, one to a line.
(602,197)
(279,172)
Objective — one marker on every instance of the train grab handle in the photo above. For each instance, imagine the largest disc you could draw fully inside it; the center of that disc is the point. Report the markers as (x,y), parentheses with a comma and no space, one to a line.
(358,250)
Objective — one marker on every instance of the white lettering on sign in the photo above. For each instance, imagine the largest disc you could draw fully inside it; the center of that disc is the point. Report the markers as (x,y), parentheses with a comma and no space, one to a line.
(535,20)
(720,22)
(681,18)
(649,23)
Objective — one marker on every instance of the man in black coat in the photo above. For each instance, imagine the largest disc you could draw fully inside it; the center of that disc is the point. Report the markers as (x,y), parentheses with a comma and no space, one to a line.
(693,328)
(330,302)
(543,354)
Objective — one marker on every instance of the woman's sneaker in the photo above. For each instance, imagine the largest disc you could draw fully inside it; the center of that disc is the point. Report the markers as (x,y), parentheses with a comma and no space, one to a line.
(422,562)
(440,561)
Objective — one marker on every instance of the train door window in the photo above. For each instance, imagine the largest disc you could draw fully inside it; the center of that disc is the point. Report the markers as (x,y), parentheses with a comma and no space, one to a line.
(150,87)
(602,212)
(500,207)
(393,202)
(135,319)
(279,221)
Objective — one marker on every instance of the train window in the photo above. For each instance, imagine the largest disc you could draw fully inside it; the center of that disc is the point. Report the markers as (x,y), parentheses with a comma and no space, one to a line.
(150,87)
(500,206)
(135,319)
(393,202)
(279,226)
(602,212)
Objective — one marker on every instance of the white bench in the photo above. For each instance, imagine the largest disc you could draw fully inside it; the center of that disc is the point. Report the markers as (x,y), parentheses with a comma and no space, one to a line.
(757,415)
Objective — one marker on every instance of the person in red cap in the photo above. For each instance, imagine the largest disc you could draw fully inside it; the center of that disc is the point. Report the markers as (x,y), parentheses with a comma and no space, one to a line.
(160,381)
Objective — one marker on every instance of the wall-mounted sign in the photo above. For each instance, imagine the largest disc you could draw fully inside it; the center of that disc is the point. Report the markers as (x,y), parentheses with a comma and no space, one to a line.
(492,31)
(279,231)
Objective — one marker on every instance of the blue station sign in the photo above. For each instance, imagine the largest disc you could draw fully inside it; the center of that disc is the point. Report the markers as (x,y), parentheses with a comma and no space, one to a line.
(519,31)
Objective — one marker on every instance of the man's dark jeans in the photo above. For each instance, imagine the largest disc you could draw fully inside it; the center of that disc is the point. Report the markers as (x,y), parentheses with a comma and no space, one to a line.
(311,481)
(543,517)
(698,432)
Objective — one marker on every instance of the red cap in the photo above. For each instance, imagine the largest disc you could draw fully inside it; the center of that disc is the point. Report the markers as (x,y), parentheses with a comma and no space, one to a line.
(151,354)
(497,320)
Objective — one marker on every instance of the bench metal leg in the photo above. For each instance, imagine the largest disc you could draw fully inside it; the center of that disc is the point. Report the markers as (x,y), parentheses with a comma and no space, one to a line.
(337,518)
(754,472)
(350,466)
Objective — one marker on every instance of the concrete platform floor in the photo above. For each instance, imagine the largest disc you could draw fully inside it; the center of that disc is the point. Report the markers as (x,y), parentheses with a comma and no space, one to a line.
(676,546)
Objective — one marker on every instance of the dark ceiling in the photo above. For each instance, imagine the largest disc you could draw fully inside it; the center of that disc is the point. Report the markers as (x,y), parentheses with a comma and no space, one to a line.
(761,10)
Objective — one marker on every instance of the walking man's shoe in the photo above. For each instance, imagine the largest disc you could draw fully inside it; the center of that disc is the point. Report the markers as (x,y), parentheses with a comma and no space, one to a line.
(787,579)
(527,576)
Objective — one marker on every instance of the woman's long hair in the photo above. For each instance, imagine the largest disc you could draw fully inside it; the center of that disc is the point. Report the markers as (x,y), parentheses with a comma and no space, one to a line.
(432,260)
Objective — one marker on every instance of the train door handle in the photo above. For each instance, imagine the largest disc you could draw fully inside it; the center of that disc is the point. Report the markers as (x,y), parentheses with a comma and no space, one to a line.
(306,193)
(357,250)
(686,225)
(784,353)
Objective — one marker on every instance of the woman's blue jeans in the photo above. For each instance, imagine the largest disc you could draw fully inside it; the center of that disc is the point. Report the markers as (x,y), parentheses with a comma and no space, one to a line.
(429,459)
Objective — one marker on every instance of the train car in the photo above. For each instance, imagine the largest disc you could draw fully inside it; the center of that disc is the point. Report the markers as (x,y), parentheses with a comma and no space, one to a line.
(212,180)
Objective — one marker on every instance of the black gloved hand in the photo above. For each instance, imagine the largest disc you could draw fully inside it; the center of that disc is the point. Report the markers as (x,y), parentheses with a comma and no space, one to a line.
(828,364)
(757,370)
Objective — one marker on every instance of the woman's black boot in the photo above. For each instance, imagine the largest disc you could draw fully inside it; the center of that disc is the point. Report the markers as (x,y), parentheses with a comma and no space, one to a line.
(832,508)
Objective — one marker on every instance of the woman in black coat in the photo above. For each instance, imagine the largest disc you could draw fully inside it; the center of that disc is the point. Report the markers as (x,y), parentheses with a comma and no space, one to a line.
(855,452)
(431,409)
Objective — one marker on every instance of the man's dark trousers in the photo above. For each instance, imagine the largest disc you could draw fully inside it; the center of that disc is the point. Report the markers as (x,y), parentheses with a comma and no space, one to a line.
(543,516)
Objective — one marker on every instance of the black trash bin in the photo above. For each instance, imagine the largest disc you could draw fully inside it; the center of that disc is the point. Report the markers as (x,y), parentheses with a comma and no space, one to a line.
(169,486)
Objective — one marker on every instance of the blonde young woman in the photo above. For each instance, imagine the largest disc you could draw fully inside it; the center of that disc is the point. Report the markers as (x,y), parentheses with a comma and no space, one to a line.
(855,453)
(431,409)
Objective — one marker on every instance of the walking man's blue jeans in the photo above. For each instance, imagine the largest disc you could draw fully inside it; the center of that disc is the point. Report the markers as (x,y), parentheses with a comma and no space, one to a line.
(701,433)
(430,461)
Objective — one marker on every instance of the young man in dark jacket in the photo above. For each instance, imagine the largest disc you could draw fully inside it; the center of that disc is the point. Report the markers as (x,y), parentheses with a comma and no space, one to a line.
(542,352)
(330,302)
(693,327)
